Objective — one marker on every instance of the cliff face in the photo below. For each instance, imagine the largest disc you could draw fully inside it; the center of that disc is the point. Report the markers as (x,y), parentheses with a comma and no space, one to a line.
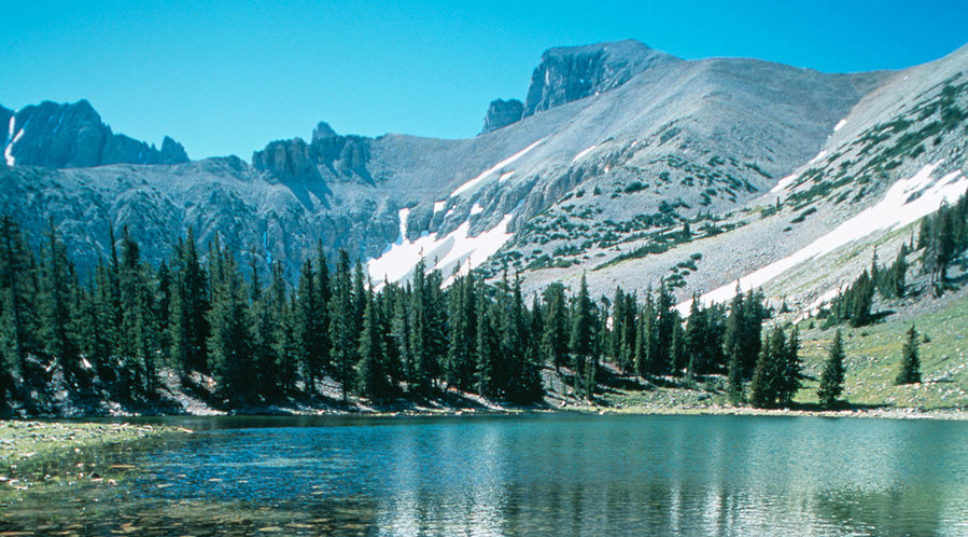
(570,73)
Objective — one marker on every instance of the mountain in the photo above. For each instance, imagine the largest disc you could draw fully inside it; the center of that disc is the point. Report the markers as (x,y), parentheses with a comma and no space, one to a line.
(56,135)
(621,162)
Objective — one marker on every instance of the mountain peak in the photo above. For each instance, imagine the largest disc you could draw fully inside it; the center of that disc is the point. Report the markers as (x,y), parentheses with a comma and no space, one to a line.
(68,135)
(567,74)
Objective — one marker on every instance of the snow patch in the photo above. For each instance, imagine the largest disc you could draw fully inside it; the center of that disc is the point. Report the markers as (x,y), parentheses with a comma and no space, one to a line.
(476,209)
(441,252)
(8,151)
(782,184)
(439,206)
(905,202)
(505,176)
(820,155)
(493,169)
(840,124)
(584,152)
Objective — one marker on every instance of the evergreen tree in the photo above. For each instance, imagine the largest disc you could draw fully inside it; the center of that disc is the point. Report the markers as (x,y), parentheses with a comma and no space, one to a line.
(760,389)
(677,348)
(58,328)
(401,334)
(790,373)
(832,377)
(265,343)
(485,344)
(668,319)
(647,357)
(371,371)
(554,340)
(189,308)
(735,376)
(230,341)
(309,322)
(696,337)
(910,372)
(18,321)
(582,341)
(342,324)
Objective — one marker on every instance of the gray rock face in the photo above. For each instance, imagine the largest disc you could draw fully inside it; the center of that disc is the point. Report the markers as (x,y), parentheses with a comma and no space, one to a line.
(328,157)
(56,135)
(567,74)
(502,113)
(286,160)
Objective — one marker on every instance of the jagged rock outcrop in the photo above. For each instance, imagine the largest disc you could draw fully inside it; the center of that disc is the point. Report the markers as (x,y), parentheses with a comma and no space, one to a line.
(286,160)
(56,135)
(502,113)
(567,74)
(328,157)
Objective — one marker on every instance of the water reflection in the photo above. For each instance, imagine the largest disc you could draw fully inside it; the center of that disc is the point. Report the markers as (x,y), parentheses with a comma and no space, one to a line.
(537,475)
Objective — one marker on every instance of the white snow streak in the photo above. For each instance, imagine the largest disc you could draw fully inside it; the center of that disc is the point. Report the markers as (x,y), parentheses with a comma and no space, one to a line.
(8,151)
(505,176)
(584,152)
(819,156)
(439,206)
(782,184)
(840,124)
(477,209)
(497,167)
(442,252)
(906,201)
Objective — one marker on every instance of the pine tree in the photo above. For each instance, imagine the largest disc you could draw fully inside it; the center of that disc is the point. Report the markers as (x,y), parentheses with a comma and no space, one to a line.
(342,323)
(485,345)
(648,361)
(582,341)
(230,341)
(910,372)
(735,377)
(402,336)
(17,306)
(696,337)
(308,323)
(677,348)
(190,303)
(760,389)
(790,379)
(371,371)
(554,340)
(265,344)
(832,377)
(58,322)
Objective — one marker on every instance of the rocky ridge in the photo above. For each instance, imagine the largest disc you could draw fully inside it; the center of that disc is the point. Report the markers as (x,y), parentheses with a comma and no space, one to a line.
(53,135)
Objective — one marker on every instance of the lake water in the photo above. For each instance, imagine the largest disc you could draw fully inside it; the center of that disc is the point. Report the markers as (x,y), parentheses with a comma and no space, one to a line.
(557,475)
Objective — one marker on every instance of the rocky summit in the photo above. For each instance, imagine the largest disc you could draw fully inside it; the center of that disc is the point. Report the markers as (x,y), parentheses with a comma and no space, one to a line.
(622,162)
(53,135)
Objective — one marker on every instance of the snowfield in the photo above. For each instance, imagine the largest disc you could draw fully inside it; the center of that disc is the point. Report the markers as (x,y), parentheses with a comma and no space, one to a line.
(905,202)
(473,183)
(441,252)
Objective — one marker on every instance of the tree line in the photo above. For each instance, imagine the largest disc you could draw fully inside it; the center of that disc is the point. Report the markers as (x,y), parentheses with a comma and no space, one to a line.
(262,339)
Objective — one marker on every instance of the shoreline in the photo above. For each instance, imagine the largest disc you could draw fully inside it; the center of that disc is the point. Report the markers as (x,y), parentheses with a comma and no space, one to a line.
(24,442)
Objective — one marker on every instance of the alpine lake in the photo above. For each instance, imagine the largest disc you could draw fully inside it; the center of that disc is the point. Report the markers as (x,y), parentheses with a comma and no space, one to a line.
(518,475)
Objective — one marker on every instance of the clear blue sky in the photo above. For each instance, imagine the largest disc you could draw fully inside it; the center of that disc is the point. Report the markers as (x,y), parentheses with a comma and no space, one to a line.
(228,76)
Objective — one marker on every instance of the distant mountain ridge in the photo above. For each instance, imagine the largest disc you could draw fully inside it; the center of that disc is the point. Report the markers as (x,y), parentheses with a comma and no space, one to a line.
(613,151)
(56,135)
